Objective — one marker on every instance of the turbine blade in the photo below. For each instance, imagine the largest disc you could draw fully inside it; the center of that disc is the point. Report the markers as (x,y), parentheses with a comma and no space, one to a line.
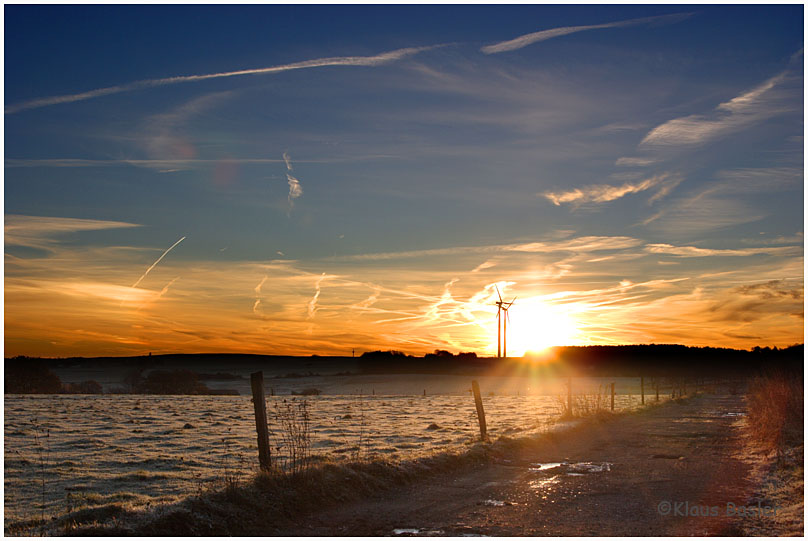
(498,294)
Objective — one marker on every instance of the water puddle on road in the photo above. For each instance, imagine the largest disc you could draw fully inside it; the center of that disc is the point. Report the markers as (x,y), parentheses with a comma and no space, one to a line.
(550,474)
(589,467)
(539,466)
(416,531)
(572,468)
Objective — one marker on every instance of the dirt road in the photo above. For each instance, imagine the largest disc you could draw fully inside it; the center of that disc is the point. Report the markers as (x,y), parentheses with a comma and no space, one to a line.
(636,474)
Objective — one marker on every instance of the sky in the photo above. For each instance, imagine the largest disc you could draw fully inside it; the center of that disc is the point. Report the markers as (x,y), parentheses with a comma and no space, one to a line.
(335,179)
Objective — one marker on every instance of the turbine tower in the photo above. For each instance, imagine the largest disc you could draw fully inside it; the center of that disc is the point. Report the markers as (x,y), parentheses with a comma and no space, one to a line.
(502,325)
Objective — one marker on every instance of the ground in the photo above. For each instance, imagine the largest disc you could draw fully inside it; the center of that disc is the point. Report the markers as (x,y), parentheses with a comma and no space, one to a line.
(644,474)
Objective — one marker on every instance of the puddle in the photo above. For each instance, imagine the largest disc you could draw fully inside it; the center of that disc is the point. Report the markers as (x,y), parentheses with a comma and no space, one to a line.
(539,466)
(498,503)
(575,468)
(734,414)
(590,467)
(416,531)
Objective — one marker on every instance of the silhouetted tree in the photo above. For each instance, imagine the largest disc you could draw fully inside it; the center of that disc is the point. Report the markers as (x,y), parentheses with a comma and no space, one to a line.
(173,382)
(26,376)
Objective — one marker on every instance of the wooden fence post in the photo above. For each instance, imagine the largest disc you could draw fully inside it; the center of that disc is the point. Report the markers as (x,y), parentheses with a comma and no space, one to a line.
(260,404)
(656,383)
(478,401)
(642,390)
(612,396)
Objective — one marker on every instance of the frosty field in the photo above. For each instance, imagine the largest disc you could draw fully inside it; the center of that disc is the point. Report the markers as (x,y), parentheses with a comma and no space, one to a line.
(70,451)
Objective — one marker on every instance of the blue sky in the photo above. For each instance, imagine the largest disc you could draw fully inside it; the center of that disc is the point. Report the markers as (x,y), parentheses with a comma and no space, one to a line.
(633,171)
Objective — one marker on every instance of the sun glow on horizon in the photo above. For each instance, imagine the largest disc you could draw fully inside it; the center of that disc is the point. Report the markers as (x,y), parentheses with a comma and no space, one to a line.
(534,326)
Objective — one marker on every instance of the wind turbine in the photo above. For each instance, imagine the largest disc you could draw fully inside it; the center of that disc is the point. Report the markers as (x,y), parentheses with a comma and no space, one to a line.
(502,329)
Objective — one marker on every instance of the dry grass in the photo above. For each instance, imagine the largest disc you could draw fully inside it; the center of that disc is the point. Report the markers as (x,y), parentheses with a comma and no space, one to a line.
(270,500)
(293,435)
(776,411)
(593,404)
(585,405)
(775,423)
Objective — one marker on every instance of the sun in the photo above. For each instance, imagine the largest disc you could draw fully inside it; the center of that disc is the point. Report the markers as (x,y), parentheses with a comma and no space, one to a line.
(535,326)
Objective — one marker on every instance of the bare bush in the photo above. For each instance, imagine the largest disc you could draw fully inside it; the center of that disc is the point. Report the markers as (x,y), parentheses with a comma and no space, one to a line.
(591,404)
(293,421)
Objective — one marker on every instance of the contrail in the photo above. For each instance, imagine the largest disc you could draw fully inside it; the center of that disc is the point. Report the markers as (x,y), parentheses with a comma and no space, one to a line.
(258,295)
(383,58)
(527,39)
(156,262)
(165,289)
(313,302)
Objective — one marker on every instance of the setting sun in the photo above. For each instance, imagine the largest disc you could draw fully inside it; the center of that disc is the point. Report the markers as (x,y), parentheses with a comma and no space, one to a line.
(535,326)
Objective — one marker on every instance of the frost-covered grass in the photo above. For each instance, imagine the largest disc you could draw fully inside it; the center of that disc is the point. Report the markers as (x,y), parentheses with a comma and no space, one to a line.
(74,460)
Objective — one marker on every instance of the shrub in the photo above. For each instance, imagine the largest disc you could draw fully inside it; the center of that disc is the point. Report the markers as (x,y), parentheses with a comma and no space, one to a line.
(173,382)
(776,410)
(27,376)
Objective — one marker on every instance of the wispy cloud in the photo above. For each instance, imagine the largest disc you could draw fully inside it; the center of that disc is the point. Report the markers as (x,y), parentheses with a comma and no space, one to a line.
(375,60)
(425,305)
(693,251)
(665,189)
(176,163)
(706,210)
(39,231)
(755,302)
(156,262)
(164,136)
(602,193)
(635,162)
(753,106)
(295,188)
(484,265)
(577,244)
(722,203)
(763,179)
(529,39)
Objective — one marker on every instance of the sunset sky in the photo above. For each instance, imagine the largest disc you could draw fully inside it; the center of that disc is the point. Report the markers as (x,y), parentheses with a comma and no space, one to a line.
(300,180)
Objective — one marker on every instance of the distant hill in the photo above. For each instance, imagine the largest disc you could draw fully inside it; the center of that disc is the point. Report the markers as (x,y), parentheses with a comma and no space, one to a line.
(34,374)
